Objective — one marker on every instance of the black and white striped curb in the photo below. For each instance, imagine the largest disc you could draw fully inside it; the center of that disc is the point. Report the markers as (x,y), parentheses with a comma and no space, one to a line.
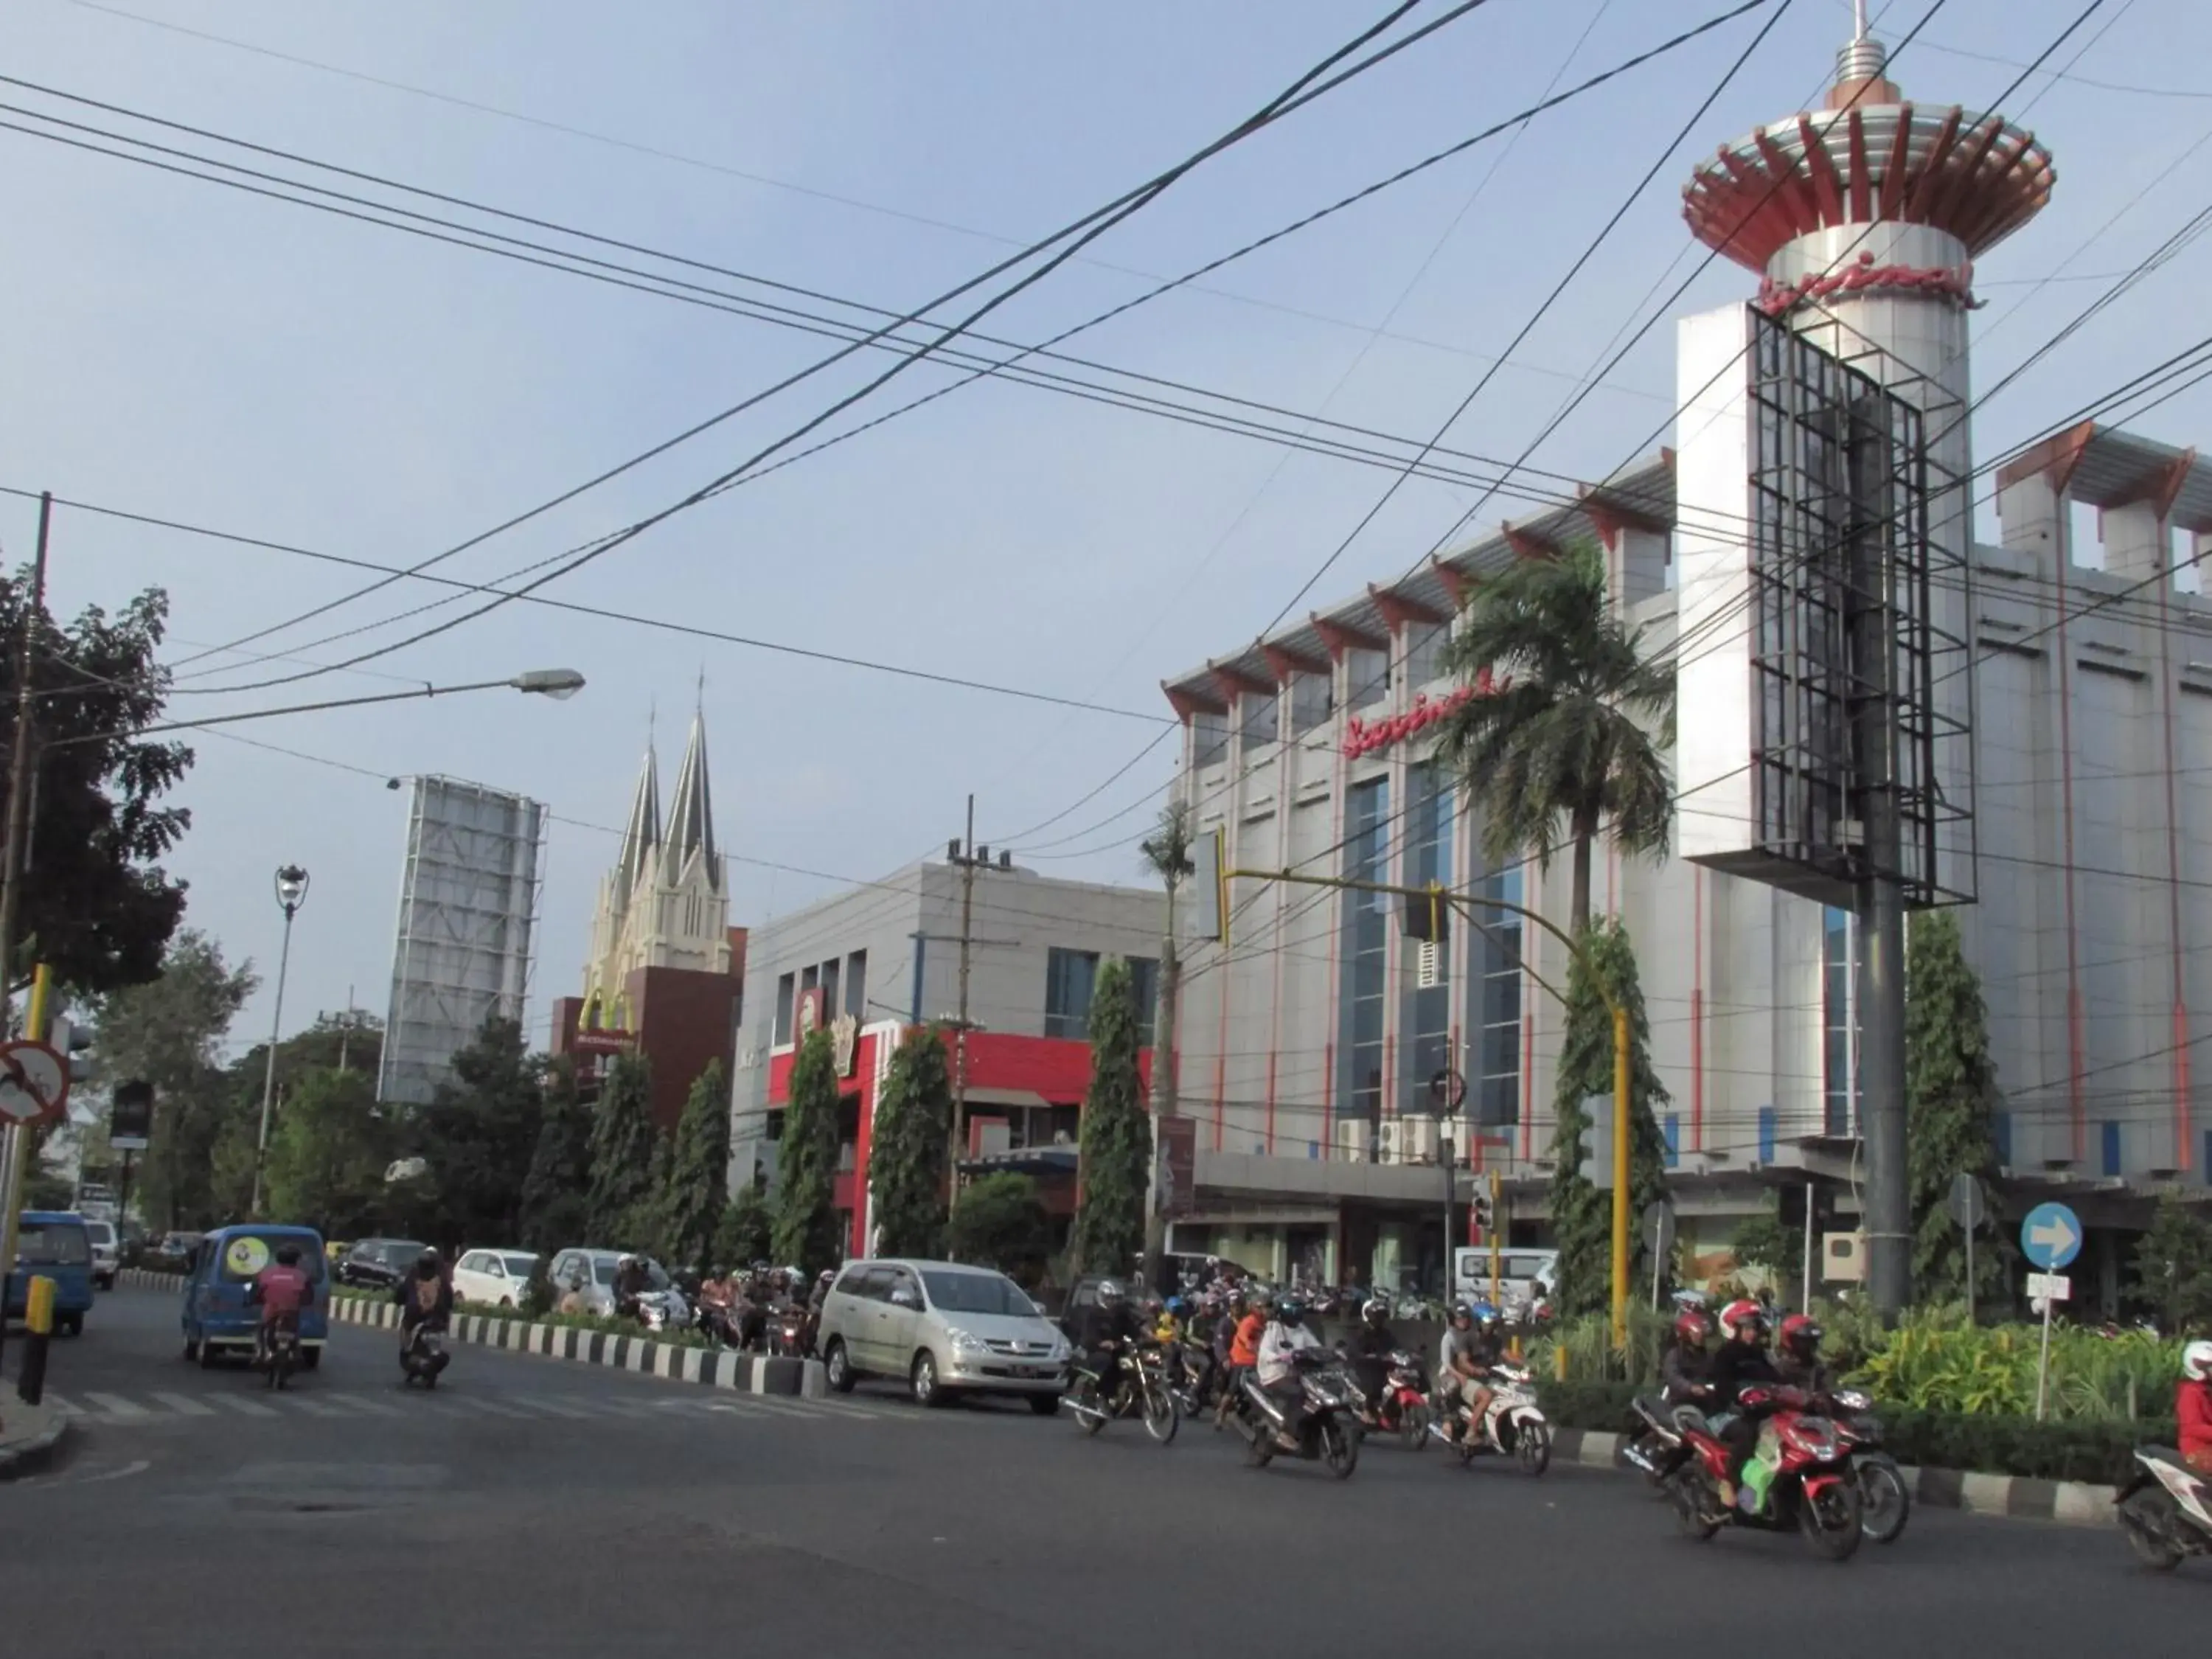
(2071,1503)
(145,1279)
(805,1379)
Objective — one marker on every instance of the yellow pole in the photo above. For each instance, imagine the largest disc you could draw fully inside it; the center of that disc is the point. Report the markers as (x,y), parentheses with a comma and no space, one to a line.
(34,1027)
(1620,1145)
(1496,1236)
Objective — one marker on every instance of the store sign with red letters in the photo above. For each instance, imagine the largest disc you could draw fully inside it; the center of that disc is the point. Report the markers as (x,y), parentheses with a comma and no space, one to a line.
(1365,736)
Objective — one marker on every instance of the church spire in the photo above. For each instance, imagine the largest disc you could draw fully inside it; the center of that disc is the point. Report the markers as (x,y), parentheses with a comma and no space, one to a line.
(641,839)
(691,812)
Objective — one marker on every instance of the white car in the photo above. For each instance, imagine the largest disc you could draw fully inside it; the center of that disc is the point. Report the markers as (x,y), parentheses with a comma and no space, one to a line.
(495,1279)
(945,1328)
(106,1252)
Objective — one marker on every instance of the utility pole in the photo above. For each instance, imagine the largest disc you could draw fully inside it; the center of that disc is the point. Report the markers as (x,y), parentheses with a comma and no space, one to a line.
(961,853)
(1169,851)
(16,1144)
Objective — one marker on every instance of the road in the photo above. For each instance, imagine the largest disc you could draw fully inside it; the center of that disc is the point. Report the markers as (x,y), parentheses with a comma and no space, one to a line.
(534,1506)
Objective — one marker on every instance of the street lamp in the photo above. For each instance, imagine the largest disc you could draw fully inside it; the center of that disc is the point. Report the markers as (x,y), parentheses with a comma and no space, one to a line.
(291,893)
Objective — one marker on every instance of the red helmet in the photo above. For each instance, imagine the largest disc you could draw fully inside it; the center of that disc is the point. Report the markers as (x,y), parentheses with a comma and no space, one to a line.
(1693,1326)
(1743,1320)
(1799,1337)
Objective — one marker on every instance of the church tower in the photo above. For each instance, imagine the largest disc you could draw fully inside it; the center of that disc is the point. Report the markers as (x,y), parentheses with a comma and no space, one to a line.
(666,903)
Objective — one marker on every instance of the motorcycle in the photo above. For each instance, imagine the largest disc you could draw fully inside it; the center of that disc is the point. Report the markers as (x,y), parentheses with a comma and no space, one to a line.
(1655,1442)
(280,1351)
(423,1357)
(1193,1380)
(1141,1391)
(787,1332)
(1512,1425)
(660,1311)
(1884,1500)
(1400,1408)
(1324,1429)
(1800,1477)
(2164,1510)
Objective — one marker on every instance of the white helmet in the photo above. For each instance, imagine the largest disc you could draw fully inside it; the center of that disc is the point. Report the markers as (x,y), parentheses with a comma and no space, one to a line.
(2197,1361)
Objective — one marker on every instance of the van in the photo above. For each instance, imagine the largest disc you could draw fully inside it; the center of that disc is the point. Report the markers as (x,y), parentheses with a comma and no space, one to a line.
(53,1244)
(1526,1277)
(217,1319)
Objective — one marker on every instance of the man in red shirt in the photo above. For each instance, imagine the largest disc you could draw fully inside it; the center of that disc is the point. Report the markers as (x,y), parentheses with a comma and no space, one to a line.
(2192,1406)
(282,1289)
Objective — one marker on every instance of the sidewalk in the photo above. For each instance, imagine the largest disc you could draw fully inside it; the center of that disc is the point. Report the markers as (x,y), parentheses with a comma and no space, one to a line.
(28,1434)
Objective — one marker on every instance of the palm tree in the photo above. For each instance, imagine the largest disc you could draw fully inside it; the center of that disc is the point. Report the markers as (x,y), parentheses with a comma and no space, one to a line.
(1570,722)
(1166,853)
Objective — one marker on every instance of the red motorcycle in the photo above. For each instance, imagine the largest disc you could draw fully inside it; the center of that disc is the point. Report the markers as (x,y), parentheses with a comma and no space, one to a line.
(1403,1408)
(1808,1482)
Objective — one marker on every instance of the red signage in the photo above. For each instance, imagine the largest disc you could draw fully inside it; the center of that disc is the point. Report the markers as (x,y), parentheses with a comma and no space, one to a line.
(1937,281)
(1365,736)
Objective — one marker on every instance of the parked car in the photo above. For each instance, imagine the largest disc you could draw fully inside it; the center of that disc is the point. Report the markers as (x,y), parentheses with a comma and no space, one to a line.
(592,1272)
(378,1264)
(947,1329)
(106,1253)
(494,1278)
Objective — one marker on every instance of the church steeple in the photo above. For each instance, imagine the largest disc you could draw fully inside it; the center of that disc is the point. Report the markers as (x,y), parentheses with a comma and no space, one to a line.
(641,839)
(691,813)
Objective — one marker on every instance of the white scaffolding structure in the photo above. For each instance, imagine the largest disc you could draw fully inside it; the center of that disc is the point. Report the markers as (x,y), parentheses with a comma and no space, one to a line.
(468,908)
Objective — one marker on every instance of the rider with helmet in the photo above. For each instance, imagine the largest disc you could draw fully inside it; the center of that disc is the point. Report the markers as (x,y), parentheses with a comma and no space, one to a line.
(426,1300)
(1740,1367)
(281,1289)
(2192,1406)
(1471,1346)
(1244,1349)
(1285,1337)
(1372,1345)
(1688,1365)
(1104,1328)
(1798,1354)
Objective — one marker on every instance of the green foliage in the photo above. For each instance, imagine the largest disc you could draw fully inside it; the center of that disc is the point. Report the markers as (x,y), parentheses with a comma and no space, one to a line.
(557,1190)
(905,1162)
(478,1135)
(1116,1147)
(698,1174)
(2174,1266)
(1765,1242)
(1591,1357)
(327,1155)
(1570,730)
(99,910)
(1951,1096)
(999,1222)
(746,1232)
(1934,1361)
(1581,1212)
(170,1032)
(538,1297)
(805,1235)
(622,1147)
(2068,1449)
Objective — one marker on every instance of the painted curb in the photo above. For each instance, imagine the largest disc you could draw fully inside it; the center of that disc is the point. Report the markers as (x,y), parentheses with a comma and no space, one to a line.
(2020,1497)
(21,1452)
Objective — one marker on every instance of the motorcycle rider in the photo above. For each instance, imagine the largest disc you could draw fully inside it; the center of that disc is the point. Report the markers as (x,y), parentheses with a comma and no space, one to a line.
(1798,1355)
(1103,1330)
(2192,1406)
(426,1301)
(1243,1352)
(631,1284)
(1471,1347)
(1740,1362)
(715,1296)
(1687,1369)
(281,1289)
(1285,1336)
(1372,1345)
(815,1298)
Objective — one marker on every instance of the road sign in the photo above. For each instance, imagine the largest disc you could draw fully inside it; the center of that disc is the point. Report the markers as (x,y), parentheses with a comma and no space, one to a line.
(131,1116)
(1966,1203)
(2050,1237)
(1658,1227)
(33,1082)
(2050,1287)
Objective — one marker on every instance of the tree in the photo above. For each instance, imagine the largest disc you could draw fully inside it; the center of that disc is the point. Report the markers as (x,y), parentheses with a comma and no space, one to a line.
(999,1222)
(1950,1100)
(1567,723)
(479,1133)
(327,1155)
(906,1163)
(99,910)
(1116,1138)
(691,1202)
(746,1233)
(169,1031)
(2173,1267)
(805,1234)
(1581,1212)
(621,1152)
(555,1211)
(1766,1244)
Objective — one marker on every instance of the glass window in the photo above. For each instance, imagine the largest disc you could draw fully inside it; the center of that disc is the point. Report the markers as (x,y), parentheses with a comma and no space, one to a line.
(1366,943)
(1069,977)
(1209,738)
(52,1244)
(977,1293)
(854,1282)
(856,986)
(1144,975)
(1425,1017)
(1494,953)
(1366,677)
(829,989)
(1261,713)
(1312,697)
(810,979)
(1840,1021)
(1423,647)
(518,1266)
(785,995)
(310,1258)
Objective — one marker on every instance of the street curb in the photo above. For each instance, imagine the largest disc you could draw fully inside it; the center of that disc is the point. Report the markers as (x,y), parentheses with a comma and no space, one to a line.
(713,1368)
(2018,1497)
(139,1279)
(20,1454)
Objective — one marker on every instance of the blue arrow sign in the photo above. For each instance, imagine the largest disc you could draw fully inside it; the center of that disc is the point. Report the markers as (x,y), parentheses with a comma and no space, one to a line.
(2050,1237)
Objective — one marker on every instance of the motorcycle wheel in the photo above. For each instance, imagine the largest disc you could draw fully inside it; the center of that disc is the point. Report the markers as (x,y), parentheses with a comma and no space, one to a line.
(1340,1448)
(1413,1427)
(1883,1496)
(1688,1494)
(1532,1444)
(1161,1417)
(1833,1523)
(1093,1417)
(1259,1444)
(2147,1519)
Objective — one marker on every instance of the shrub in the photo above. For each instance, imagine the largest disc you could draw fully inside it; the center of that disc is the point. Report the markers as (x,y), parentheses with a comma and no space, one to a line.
(1934,1362)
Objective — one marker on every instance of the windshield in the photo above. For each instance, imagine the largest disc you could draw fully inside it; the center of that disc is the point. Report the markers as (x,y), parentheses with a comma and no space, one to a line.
(519,1266)
(400,1253)
(244,1254)
(102,1232)
(53,1243)
(977,1293)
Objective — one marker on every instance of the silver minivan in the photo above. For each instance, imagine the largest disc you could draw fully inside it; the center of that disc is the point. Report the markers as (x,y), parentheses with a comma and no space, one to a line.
(948,1329)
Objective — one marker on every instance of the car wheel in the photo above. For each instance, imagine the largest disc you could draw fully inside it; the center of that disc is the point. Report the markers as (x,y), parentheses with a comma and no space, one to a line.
(310,1358)
(191,1349)
(923,1379)
(839,1367)
(71,1325)
(207,1356)
(1044,1405)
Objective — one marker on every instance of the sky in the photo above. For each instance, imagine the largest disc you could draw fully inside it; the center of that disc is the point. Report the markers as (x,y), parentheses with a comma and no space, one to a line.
(205,356)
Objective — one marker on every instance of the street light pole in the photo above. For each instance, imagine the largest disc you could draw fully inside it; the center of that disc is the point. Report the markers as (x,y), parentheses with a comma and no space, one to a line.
(291,893)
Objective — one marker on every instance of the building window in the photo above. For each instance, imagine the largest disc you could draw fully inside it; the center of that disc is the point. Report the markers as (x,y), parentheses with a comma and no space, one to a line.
(1145,976)
(810,979)
(829,989)
(1069,976)
(1366,677)
(1495,956)
(1839,1024)
(1261,713)
(2108,1143)
(1312,697)
(1209,738)
(1366,947)
(1423,647)
(856,986)
(1425,1017)
(786,994)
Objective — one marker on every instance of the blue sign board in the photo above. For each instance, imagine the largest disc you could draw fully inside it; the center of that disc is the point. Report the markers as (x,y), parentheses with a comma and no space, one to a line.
(2051,1237)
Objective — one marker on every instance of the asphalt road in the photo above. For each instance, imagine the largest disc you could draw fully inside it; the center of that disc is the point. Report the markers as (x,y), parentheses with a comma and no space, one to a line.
(533,1506)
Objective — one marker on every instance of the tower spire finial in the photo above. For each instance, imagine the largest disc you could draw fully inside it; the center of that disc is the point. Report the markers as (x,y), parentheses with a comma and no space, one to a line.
(1859,18)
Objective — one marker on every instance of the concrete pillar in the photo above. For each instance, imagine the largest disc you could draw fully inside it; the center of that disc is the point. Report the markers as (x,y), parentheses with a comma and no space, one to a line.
(2135,542)
(2029,516)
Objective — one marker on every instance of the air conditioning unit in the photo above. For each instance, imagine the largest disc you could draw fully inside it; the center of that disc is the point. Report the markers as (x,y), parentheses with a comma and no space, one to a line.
(1418,1140)
(1843,1258)
(1351,1140)
(1389,1146)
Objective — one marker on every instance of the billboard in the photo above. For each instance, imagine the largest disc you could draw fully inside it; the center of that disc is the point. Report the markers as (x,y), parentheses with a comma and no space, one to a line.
(468,911)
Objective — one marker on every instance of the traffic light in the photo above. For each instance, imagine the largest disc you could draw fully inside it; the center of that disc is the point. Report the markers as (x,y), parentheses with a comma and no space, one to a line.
(1483,1213)
(1597,1140)
(71,1040)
